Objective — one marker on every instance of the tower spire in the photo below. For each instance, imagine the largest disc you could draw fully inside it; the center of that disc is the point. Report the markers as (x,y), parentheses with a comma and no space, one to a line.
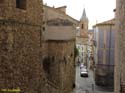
(83,15)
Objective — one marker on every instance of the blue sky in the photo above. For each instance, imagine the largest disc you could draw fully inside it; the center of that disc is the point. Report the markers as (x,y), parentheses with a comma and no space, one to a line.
(96,10)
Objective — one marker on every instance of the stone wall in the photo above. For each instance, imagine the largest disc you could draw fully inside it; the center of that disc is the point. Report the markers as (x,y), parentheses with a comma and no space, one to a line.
(51,13)
(59,36)
(120,46)
(27,61)
(21,47)
(63,70)
(19,57)
(32,13)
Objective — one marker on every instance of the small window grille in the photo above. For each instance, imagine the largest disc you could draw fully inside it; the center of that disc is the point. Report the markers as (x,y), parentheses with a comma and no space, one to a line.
(21,4)
(82,26)
(43,22)
(44,29)
(43,10)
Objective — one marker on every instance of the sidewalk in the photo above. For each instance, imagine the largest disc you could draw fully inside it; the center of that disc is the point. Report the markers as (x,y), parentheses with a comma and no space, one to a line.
(80,91)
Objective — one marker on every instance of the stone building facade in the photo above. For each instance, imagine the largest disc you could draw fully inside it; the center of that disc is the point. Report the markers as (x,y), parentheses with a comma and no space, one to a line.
(62,69)
(104,53)
(34,58)
(119,48)
(82,38)
(20,46)
(59,35)
(90,49)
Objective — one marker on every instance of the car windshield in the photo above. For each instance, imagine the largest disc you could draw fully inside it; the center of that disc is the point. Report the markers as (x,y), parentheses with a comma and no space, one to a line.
(83,70)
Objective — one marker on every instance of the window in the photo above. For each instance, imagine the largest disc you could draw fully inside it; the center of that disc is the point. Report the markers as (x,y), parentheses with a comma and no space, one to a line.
(43,28)
(42,10)
(43,22)
(21,4)
(82,26)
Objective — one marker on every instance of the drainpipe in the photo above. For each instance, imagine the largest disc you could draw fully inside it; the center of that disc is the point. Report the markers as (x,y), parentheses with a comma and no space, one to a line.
(110,43)
(109,65)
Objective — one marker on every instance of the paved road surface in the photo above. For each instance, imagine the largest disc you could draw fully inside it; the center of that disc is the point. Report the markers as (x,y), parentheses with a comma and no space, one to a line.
(87,84)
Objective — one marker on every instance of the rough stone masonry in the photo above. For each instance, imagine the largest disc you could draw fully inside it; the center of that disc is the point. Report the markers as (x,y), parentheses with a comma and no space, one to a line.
(20,46)
(120,47)
(27,62)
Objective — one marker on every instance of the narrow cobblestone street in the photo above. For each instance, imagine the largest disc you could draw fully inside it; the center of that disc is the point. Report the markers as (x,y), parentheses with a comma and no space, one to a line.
(86,85)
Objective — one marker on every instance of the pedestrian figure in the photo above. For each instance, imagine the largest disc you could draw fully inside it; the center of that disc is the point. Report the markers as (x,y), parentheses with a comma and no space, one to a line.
(86,91)
(92,87)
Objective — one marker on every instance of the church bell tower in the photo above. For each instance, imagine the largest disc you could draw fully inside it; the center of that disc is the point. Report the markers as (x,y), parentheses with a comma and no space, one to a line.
(84,24)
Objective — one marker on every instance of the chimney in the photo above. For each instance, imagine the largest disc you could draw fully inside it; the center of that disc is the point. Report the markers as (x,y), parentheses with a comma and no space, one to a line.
(62,9)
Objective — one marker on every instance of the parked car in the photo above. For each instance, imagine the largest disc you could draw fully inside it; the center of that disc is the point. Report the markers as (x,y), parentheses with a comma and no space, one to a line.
(83,72)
